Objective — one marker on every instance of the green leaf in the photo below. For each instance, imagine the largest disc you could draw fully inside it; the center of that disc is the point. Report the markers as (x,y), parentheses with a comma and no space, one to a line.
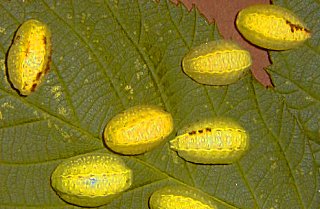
(111,55)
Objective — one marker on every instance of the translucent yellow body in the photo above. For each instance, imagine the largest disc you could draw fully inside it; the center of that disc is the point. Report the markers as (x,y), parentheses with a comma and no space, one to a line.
(178,197)
(138,129)
(272,27)
(220,141)
(217,63)
(91,179)
(29,56)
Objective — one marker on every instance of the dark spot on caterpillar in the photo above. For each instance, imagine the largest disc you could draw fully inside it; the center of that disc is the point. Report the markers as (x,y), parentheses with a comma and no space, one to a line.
(200,131)
(208,129)
(34,86)
(192,132)
(44,40)
(18,38)
(306,30)
(38,76)
(27,49)
(46,70)
(294,27)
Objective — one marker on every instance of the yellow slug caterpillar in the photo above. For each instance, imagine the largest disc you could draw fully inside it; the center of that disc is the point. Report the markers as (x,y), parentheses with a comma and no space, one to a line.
(217,63)
(272,27)
(91,179)
(29,56)
(138,129)
(217,141)
(174,197)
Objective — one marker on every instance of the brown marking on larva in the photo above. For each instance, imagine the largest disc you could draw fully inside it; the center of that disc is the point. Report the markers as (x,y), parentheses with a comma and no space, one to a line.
(38,76)
(44,40)
(17,38)
(307,30)
(192,132)
(208,129)
(240,131)
(33,87)
(46,70)
(27,49)
(294,27)
(200,131)
(291,29)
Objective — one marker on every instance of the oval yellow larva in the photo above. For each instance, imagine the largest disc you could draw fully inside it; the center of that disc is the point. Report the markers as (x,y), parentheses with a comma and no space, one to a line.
(219,141)
(91,179)
(29,56)
(272,27)
(217,63)
(138,129)
(173,197)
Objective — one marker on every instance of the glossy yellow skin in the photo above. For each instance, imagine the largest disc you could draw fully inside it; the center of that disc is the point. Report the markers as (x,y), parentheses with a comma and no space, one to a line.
(217,63)
(138,129)
(219,141)
(272,27)
(177,197)
(29,56)
(91,179)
